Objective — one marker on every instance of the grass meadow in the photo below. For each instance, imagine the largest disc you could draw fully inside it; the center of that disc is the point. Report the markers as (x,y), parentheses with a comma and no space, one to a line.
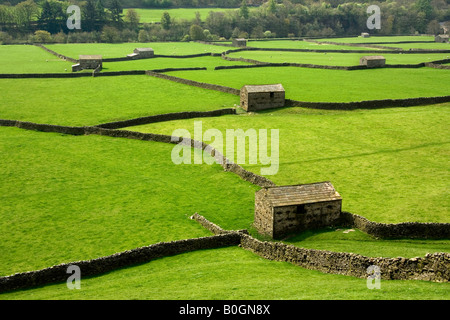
(319,85)
(117,50)
(67,198)
(154,15)
(91,101)
(333,58)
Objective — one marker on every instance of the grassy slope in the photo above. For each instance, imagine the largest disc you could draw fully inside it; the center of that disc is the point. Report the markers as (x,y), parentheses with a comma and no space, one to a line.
(382,148)
(296,44)
(379,39)
(115,50)
(335,59)
(91,101)
(67,198)
(161,63)
(29,59)
(319,85)
(154,15)
(230,273)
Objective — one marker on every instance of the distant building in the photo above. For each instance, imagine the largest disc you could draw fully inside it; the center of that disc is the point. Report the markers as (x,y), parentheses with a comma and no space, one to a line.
(88,62)
(373,61)
(284,210)
(441,38)
(140,53)
(365,35)
(240,42)
(260,97)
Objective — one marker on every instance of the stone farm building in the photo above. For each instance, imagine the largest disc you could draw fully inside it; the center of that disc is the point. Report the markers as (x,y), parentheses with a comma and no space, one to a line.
(140,53)
(365,35)
(284,210)
(260,97)
(88,62)
(239,42)
(442,38)
(372,61)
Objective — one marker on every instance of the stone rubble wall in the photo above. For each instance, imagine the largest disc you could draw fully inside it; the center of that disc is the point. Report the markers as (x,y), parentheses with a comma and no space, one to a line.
(58,273)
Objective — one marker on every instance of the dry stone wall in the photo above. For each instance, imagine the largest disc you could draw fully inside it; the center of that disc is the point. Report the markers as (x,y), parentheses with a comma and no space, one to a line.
(116,261)
(433,267)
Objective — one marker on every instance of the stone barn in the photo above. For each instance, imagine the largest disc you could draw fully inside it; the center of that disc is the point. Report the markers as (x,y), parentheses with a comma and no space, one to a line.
(140,53)
(260,97)
(240,42)
(372,61)
(441,38)
(365,35)
(88,62)
(283,210)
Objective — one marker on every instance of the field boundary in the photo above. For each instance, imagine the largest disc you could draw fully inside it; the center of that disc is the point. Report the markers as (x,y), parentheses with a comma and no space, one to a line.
(433,267)
(194,83)
(318,66)
(221,159)
(166,117)
(58,273)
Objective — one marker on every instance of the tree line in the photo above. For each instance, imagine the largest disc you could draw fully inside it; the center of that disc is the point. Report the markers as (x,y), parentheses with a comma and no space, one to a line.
(106,21)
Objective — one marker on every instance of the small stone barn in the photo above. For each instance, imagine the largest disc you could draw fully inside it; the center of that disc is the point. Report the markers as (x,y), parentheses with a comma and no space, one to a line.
(140,53)
(442,38)
(88,62)
(372,61)
(260,97)
(365,35)
(284,210)
(239,42)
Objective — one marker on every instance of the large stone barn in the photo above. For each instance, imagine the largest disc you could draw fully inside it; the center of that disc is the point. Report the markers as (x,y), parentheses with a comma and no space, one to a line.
(260,97)
(372,61)
(88,62)
(239,42)
(442,38)
(142,53)
(283,210)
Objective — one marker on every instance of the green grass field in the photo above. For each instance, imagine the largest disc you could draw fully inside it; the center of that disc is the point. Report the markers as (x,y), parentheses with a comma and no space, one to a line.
(154,15)
(379,39)
(117,50)
(230,274)
(92,101)
(318,85)
(67,198)
(90,196)
(381,146)
(334,59)
(297,44)
(29,59)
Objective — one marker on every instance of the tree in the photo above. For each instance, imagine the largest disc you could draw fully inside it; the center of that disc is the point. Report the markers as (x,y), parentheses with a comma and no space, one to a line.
(272,7)
(52,17)
(166,21)
(425,7)
(132,18)
(25,12)
(243,11)
(116,12)
(196,32)
(42,36)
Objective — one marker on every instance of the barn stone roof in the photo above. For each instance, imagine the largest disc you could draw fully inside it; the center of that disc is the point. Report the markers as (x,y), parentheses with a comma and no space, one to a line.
(280,196)
(144,49)
(90,57)
(263,88)
(373,58)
